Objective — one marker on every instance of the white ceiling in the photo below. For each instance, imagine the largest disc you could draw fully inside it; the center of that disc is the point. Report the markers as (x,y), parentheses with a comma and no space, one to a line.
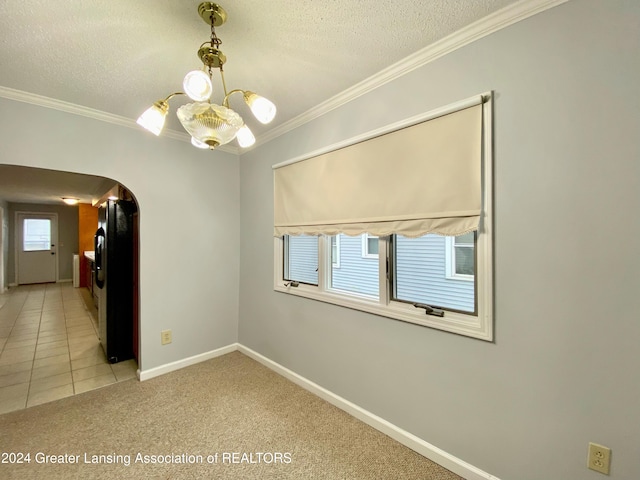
(119,56)
(37,185)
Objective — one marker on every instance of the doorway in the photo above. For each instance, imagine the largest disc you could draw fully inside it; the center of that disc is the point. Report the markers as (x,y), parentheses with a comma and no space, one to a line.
(3,240)
(37,237)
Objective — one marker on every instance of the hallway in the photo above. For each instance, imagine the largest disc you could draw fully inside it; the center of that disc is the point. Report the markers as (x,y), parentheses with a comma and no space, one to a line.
(49,347)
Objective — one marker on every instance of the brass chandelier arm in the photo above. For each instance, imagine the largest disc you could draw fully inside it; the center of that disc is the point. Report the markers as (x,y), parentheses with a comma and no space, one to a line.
(225,102)
(169,97)
(163,105)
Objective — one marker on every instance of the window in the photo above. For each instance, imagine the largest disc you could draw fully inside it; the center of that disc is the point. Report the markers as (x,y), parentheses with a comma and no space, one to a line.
(335,251)
(357,275)
(416,275)
(420,273)
(369,246)
(37,234)
(301,259)
(460,257)
(415,265)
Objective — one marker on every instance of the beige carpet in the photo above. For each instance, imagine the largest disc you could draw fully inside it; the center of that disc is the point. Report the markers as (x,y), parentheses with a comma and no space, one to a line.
(260,425)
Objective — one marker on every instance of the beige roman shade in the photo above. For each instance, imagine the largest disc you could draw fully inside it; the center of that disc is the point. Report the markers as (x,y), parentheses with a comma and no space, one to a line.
(425,178)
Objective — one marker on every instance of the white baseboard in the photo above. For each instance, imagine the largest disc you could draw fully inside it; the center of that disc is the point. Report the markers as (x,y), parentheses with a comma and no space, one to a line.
(65,280)
(448,461)
(170,367)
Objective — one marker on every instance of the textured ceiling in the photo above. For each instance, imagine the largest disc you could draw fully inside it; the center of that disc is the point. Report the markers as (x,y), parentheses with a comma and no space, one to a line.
(119,56)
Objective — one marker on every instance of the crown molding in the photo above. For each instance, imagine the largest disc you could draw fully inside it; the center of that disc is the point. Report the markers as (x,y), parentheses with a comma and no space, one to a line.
(491,23)
(496,21)
(67,107)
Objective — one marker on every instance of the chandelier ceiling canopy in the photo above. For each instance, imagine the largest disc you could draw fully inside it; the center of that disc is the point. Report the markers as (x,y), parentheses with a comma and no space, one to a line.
(210,124)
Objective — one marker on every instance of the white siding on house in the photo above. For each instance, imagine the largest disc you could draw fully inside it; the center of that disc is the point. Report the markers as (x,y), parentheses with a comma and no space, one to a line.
(355,274)
(302,259)
(420,275)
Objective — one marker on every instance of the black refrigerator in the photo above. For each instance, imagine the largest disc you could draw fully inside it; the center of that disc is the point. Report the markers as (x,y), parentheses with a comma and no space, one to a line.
(114,271)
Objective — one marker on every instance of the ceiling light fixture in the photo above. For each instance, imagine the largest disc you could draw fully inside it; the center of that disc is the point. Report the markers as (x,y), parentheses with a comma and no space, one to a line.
(70,201)
(209,124)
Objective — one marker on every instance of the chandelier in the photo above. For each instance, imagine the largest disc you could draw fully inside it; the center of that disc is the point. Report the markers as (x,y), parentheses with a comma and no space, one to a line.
(209,124)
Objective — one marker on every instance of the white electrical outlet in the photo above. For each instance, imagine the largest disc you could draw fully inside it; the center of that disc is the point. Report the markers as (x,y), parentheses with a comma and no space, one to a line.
(599,458)
(165,337)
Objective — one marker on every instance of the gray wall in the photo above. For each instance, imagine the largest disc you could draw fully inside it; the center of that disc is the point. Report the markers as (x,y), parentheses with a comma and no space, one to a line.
(67,236)
(563,370)
(189,219)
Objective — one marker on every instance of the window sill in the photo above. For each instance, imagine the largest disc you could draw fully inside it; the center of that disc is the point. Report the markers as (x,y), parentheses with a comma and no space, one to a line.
(468,325)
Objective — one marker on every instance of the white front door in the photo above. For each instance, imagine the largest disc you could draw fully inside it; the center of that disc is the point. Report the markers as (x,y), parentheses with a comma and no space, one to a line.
(37,236)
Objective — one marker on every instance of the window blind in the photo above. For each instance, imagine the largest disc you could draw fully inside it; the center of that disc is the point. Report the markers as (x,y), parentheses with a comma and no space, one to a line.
(425,178)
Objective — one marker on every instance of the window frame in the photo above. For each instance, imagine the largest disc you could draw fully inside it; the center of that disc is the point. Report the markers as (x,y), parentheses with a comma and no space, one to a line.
(478,325)
(450,261)
(335,264)
(365,246)
(284,265)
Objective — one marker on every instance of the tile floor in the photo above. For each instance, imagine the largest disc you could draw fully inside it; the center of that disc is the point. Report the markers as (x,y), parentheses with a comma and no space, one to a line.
(49,348)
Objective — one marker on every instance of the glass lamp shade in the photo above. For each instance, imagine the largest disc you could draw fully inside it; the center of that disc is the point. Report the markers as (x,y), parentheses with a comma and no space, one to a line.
(198,144)
(197,85)
(210,123)
(153,118)
(245,137)
(264,110)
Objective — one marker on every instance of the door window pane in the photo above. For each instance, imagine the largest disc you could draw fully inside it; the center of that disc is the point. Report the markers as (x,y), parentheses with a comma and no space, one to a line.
(36,234)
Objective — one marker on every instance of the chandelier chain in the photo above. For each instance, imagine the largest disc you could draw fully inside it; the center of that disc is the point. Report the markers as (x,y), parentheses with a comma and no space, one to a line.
(215,41)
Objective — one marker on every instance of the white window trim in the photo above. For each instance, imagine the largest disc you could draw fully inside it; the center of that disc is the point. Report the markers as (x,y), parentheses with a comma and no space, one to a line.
(478,326)
(337,262)
(450,262)
(365,246)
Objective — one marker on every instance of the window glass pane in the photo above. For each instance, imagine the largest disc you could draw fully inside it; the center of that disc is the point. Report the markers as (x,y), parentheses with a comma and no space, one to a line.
(334,251)
(372,245)
(467,238)
(420,274)
(357,274)
(301,259)
(36,233)
(464,260)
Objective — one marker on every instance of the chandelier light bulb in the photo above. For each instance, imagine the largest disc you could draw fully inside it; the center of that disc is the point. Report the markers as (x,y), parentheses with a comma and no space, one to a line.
(245,137)
(153,118)
(197,85)
(264,110)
